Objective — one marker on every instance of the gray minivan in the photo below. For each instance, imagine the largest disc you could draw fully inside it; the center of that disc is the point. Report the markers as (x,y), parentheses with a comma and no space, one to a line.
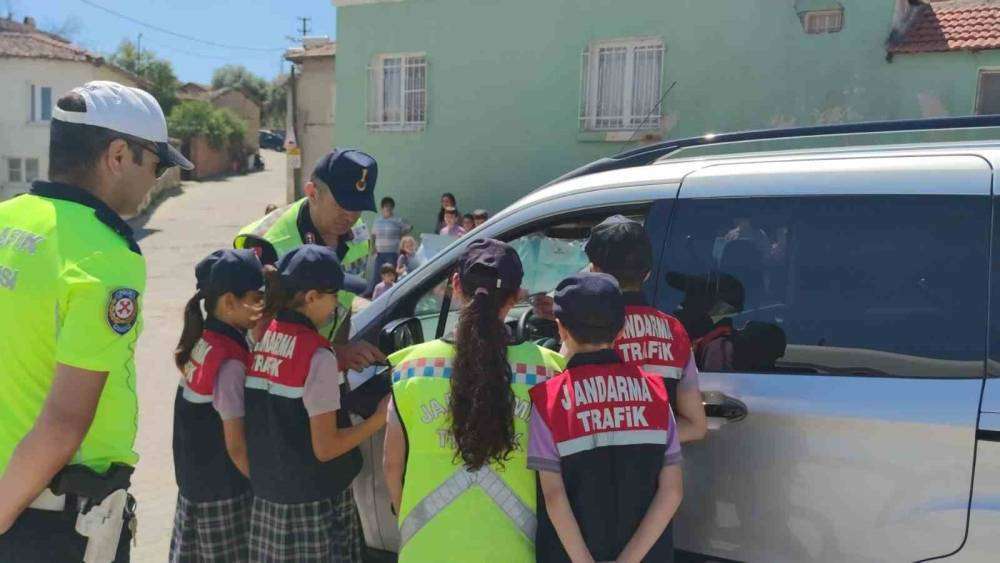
(874,433)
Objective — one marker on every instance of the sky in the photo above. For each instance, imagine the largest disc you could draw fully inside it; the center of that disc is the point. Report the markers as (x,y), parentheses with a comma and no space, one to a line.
(263,25)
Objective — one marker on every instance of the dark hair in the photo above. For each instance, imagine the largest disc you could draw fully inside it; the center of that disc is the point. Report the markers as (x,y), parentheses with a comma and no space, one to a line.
(387,268)
(74,147)
(469,217)
(387,201)
(628,278)
(276,297)
(594,334)
(482,401)
(453,201)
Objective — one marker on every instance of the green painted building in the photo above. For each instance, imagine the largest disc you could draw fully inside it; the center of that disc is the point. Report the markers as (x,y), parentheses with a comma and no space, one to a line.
(491,98)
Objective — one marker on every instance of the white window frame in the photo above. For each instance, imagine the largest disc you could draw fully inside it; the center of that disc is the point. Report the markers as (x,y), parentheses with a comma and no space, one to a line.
(818,22)
(977,105)
(631,119)
(35,103)
(410,117)
(22,170)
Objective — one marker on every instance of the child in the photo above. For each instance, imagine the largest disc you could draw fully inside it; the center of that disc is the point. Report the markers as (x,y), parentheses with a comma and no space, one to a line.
(451,227)
(603,439)
(388,274)
(302,447)
(212,519)
(620,247)
(480,216)
(407,249)
(387,230)
(468,223)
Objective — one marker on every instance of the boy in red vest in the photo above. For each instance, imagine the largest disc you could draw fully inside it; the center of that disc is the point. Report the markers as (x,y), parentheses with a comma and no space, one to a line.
(651,339)
(603,440)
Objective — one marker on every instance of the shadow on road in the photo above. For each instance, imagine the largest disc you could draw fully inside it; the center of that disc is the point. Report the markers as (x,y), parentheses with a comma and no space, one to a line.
(138,223)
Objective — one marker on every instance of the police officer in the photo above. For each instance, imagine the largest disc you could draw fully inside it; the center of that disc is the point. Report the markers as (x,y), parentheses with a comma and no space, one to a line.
(467,494)
(341,187)
(71,302)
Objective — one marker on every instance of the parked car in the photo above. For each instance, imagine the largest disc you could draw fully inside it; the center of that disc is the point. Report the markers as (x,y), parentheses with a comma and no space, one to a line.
(874,434)
(269,140)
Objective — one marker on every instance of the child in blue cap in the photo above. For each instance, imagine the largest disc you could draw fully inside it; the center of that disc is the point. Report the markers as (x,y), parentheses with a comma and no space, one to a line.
(302,447)
(210,459)
(603,439)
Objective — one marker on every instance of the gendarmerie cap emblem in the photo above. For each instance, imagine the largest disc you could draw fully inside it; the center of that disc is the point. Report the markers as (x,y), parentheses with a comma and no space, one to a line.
(363,181)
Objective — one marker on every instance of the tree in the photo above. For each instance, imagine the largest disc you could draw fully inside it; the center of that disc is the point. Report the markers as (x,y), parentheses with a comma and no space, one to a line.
(238,76)
(158,72)
(191,118)
(275,104)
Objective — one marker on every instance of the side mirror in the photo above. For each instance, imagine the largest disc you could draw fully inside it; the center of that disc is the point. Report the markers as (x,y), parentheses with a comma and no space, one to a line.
(399,334)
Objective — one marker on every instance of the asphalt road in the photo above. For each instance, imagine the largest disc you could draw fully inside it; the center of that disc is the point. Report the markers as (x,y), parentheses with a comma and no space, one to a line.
(185,226)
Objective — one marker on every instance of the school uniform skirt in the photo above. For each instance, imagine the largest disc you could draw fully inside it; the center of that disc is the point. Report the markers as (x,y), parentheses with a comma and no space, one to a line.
(216,531)
(322,531)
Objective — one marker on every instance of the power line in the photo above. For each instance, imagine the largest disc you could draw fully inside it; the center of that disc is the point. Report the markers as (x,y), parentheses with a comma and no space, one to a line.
(174,33)
(181,50)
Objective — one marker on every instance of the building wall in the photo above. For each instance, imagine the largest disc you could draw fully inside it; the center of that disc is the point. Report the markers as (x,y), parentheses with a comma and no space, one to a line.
(20,138)
(316,94)
(503,83)
(246,110)
(208,161)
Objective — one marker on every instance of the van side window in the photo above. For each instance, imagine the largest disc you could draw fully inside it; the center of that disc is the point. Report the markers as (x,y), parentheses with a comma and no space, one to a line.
(874,285)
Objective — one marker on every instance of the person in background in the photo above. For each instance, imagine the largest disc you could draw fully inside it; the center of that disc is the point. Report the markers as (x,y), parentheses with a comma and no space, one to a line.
(480,216)
(620,246)
(407,250)
(451,227)
(388,274)
(302,447)
(212,519)
(456,425)
(447,200)
(388,230)
(591,467)
(468,223)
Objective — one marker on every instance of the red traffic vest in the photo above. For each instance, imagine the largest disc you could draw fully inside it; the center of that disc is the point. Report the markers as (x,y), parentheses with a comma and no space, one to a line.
(656,342)
(209,353)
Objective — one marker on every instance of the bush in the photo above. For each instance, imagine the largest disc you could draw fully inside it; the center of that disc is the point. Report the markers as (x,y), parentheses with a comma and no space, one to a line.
(221,127)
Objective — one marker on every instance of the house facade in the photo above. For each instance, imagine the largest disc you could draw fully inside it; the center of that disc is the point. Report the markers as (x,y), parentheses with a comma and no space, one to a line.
(312,96)
(246,108)
(489,100)
(37,68)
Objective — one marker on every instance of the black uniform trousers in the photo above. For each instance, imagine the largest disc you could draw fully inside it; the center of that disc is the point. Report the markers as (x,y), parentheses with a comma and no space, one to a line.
(50,536)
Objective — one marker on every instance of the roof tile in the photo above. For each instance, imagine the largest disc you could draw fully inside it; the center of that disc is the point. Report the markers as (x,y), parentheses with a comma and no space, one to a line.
(951,26)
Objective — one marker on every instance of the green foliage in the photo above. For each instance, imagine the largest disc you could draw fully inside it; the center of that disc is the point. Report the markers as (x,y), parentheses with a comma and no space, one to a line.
(221,127)
(158,72)
(275,105)
(237,76)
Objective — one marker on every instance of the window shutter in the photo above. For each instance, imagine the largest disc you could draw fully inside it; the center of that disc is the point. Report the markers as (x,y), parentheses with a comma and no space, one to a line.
(988,100)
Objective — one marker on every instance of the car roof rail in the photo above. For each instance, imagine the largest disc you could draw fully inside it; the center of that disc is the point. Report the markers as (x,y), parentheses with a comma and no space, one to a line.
(650,153)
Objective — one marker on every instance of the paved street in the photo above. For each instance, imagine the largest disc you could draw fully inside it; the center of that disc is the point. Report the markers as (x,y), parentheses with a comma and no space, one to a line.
(186,225)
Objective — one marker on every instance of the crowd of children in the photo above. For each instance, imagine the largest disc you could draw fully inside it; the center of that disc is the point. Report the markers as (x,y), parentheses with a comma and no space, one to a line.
(265,453)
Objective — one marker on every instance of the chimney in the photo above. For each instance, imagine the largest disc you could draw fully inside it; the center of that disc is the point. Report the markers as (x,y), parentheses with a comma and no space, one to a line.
(29,21)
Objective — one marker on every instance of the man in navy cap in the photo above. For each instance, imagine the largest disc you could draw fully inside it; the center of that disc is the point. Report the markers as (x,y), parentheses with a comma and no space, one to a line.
(603,439)
(342,185)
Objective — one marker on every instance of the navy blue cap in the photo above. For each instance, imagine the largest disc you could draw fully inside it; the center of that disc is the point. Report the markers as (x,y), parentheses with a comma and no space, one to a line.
(229,271)
(589,302)
(311,266)
(490,263)
(350,174)
(620,244)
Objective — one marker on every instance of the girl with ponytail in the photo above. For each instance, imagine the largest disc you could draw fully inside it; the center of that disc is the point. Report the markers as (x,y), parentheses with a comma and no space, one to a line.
(210,454)
(460,406)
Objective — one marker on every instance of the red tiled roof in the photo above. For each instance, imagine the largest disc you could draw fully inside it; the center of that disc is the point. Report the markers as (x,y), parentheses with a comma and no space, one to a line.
(38,46)
(951,26)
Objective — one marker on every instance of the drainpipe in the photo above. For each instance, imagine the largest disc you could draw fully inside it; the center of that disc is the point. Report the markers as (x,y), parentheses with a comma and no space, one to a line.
(297,172)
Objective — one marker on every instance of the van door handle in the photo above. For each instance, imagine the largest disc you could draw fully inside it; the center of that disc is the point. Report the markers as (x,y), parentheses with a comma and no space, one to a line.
(719,405)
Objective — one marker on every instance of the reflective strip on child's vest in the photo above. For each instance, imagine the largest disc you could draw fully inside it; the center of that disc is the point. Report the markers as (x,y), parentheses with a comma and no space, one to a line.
(474,513)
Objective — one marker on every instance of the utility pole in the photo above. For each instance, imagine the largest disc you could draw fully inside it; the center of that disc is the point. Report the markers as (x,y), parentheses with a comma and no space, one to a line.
(138,48)
(305,25)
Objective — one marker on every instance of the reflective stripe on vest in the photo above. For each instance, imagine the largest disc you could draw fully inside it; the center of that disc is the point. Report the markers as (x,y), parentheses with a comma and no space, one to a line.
(462,480)
(435,506)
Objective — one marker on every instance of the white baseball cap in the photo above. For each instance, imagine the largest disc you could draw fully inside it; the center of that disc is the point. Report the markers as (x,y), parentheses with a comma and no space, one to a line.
(126,110)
